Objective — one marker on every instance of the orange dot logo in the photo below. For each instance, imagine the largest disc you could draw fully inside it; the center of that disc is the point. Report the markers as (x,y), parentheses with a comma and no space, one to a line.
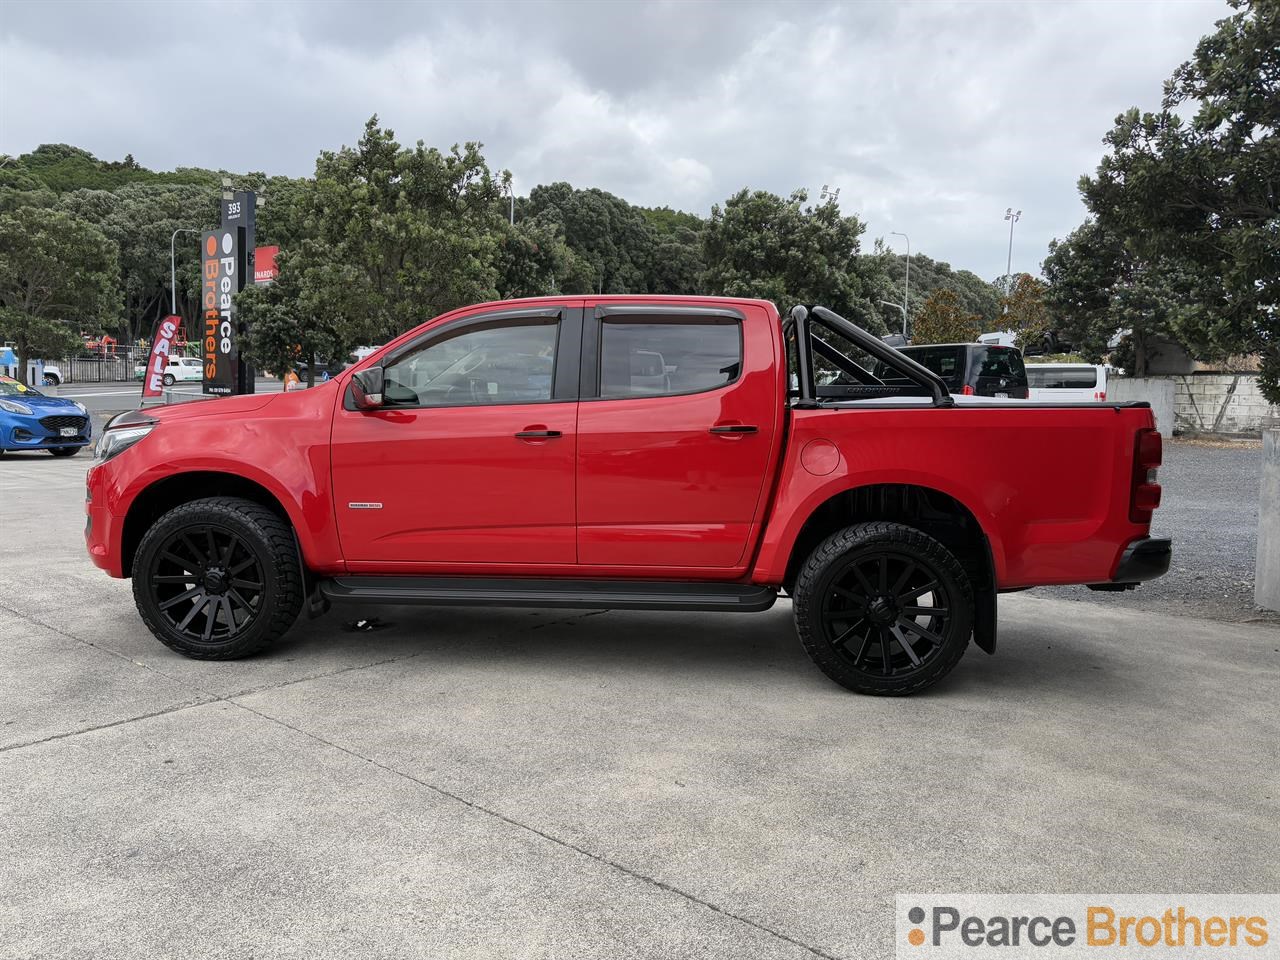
(916,936)
(211,246)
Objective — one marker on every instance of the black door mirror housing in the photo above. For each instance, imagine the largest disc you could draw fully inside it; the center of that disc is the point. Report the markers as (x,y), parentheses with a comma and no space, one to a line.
(366,389)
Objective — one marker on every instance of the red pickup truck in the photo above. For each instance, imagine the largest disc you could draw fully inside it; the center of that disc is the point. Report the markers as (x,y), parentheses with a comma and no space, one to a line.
(673,453)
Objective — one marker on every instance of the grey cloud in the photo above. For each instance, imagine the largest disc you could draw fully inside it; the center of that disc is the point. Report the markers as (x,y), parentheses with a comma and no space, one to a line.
(931,118)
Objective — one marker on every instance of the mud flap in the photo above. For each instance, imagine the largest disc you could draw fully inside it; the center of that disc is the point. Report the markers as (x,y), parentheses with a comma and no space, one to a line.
(984,620)
(984,606)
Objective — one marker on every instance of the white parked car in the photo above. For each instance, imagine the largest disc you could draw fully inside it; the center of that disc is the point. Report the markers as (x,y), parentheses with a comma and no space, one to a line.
(1078,382)
(178,369)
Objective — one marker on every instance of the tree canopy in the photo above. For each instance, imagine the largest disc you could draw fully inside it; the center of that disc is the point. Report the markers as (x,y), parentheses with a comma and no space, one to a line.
(762,245)
(55,271)
(1184,209)
(944,319)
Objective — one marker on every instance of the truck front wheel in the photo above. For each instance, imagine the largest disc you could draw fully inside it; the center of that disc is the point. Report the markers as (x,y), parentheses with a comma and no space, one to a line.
(218,578)
(883,608)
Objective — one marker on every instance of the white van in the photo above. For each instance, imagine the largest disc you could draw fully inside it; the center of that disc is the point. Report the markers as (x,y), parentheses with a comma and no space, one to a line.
(1078,382)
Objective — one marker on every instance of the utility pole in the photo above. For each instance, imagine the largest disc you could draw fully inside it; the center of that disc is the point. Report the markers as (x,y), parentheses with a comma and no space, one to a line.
(906,290)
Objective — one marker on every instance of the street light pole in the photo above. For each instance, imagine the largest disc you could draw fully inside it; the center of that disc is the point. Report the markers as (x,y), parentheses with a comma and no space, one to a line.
(1013,218)
(173,270)
(906,290)
(898,306)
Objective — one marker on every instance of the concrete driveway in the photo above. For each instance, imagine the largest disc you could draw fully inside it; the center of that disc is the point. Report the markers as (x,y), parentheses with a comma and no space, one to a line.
(471,783)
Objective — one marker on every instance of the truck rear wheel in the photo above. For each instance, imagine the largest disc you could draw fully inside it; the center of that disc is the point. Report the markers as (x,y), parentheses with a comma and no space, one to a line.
(883,609)
(218,578)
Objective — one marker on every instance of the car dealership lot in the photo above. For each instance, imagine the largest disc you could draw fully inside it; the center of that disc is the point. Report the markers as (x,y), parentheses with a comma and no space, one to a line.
(502,783)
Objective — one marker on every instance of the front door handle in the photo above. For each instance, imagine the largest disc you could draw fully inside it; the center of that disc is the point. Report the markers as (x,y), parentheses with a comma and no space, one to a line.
(735,428)
(537,434)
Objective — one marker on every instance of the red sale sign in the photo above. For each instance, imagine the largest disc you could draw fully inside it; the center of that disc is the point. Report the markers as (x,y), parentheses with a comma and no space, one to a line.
(167,331)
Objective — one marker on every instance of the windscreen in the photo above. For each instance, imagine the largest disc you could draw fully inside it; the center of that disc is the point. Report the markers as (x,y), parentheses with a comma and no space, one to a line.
(12,388)
(947,361)
(1002,362)
(1047,377)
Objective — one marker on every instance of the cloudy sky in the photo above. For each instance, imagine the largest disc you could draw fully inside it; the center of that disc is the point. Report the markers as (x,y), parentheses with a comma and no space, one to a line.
(931,118)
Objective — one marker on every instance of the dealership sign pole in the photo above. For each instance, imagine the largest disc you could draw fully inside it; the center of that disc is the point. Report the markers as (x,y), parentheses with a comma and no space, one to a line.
(226,268)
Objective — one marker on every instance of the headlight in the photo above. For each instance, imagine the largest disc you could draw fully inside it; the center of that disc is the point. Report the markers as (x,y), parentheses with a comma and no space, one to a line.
(81,407)
(13,406)
(114,442)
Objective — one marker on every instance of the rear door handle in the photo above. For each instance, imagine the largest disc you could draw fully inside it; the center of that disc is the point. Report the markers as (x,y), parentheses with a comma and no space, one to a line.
(735,428)
(537,434)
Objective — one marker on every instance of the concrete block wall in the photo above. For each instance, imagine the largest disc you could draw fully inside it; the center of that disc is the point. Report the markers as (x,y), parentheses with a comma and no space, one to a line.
(1223,403)
(1157,391)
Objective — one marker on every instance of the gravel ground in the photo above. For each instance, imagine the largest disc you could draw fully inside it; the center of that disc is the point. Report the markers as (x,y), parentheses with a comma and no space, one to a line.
(1210,509)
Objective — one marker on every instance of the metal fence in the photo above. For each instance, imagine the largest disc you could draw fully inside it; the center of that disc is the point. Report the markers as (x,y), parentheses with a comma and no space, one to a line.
(96,369)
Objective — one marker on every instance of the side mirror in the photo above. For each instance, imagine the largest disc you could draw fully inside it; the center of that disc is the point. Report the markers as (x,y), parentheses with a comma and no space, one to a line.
(366,389)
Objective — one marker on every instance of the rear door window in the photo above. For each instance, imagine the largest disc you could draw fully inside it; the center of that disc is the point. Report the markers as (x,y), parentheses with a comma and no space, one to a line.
(668,358)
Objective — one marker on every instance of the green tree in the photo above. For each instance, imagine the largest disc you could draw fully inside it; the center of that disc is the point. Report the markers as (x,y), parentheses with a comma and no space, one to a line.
(385,238)
(974,295)
(140,219)
(292,320)
(56,275)
(532,260)
(605,232)
(1081,271)
(1024,311)
(1188,209)
(400,234)
(944,319)
(676,265)
(1099,290)
(760,245)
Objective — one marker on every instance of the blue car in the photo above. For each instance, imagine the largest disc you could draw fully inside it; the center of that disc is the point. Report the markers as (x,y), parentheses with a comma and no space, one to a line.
(31,421)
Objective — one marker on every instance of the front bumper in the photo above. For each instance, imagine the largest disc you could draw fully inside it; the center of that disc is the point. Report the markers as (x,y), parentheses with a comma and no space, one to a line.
(1143,559)
(31,433)
(101,529)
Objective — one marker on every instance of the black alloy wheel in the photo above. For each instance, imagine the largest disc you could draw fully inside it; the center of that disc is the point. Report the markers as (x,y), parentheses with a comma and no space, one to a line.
(883,608)
(218,578)
(207,583)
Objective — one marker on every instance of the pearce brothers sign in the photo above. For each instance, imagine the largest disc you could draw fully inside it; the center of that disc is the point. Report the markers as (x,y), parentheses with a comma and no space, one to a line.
(227,263)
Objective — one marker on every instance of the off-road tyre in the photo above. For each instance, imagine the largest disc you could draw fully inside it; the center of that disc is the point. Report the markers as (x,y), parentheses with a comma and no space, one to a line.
(259,589)
(841,592)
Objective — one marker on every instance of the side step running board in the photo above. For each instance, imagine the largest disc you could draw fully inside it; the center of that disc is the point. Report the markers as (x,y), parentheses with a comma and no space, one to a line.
(590,594)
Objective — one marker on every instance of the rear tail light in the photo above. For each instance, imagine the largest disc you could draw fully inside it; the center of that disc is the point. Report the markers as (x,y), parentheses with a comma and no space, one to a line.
(1147,456)
(967,391)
